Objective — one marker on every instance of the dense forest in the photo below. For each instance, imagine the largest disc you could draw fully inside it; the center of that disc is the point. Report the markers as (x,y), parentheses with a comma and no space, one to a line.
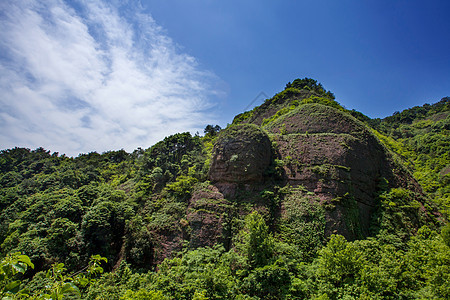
(299,198)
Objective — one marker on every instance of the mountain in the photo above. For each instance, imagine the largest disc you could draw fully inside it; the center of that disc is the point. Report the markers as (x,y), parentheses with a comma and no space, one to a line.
(297,198)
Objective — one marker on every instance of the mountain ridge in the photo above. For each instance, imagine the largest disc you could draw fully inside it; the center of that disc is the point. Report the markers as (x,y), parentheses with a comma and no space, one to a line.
(264,205)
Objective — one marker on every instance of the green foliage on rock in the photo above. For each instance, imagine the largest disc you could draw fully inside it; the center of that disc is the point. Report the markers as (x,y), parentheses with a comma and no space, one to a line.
(421,136)
(163,231)
(303,224)
(310,84)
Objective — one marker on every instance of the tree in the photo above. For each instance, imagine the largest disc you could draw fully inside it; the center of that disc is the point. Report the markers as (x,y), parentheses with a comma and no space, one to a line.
(258,243)
(10,267)
(268,282)
(103,227)
(445,233)
(310,84)
(212,130)
(61,285)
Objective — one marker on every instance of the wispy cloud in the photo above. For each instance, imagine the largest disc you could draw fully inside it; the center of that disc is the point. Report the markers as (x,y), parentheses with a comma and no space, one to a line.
(94,77)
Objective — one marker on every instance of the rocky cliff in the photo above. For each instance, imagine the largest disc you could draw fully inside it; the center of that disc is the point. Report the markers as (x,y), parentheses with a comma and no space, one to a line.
(321,148)
(310,168)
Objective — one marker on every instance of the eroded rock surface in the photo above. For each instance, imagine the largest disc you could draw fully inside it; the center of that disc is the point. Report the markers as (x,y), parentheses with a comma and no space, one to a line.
(337,158)
(323,149)
(206,215)
(241,154)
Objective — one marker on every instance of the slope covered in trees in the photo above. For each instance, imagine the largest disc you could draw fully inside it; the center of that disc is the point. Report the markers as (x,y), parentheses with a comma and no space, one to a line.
(421,136)
(299,198)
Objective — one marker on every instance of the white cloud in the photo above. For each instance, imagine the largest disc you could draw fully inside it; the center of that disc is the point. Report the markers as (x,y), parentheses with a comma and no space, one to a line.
(95,78)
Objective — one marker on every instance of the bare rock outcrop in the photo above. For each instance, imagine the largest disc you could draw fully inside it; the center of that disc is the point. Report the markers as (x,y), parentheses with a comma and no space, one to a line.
(206,215)
(323,149)
(241,154)
(340,160)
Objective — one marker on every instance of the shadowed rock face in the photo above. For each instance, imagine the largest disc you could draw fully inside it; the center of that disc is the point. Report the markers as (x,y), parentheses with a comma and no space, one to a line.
(333,164)
(206,216)
(323,149)
(241,154)
(336,157)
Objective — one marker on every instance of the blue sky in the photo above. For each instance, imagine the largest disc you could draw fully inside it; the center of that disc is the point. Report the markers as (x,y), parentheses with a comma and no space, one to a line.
(80,76)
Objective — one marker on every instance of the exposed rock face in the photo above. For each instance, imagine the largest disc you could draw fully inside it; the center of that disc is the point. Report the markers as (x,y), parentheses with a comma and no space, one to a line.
(203,225)
(317,118)
(241,154)
(337,158)
(206,216)
(322,149)
(166,242)
(269,108)
(332,168)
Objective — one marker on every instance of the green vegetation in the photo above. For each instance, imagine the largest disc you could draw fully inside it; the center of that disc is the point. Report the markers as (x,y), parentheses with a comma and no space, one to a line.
(212,130)
(310,84)
(420,135)
(296,103)
(53,284)
(236,132)
(317,116)
(149,224)
(300,91)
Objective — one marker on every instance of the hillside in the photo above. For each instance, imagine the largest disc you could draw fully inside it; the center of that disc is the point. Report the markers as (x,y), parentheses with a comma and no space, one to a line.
(298,198)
